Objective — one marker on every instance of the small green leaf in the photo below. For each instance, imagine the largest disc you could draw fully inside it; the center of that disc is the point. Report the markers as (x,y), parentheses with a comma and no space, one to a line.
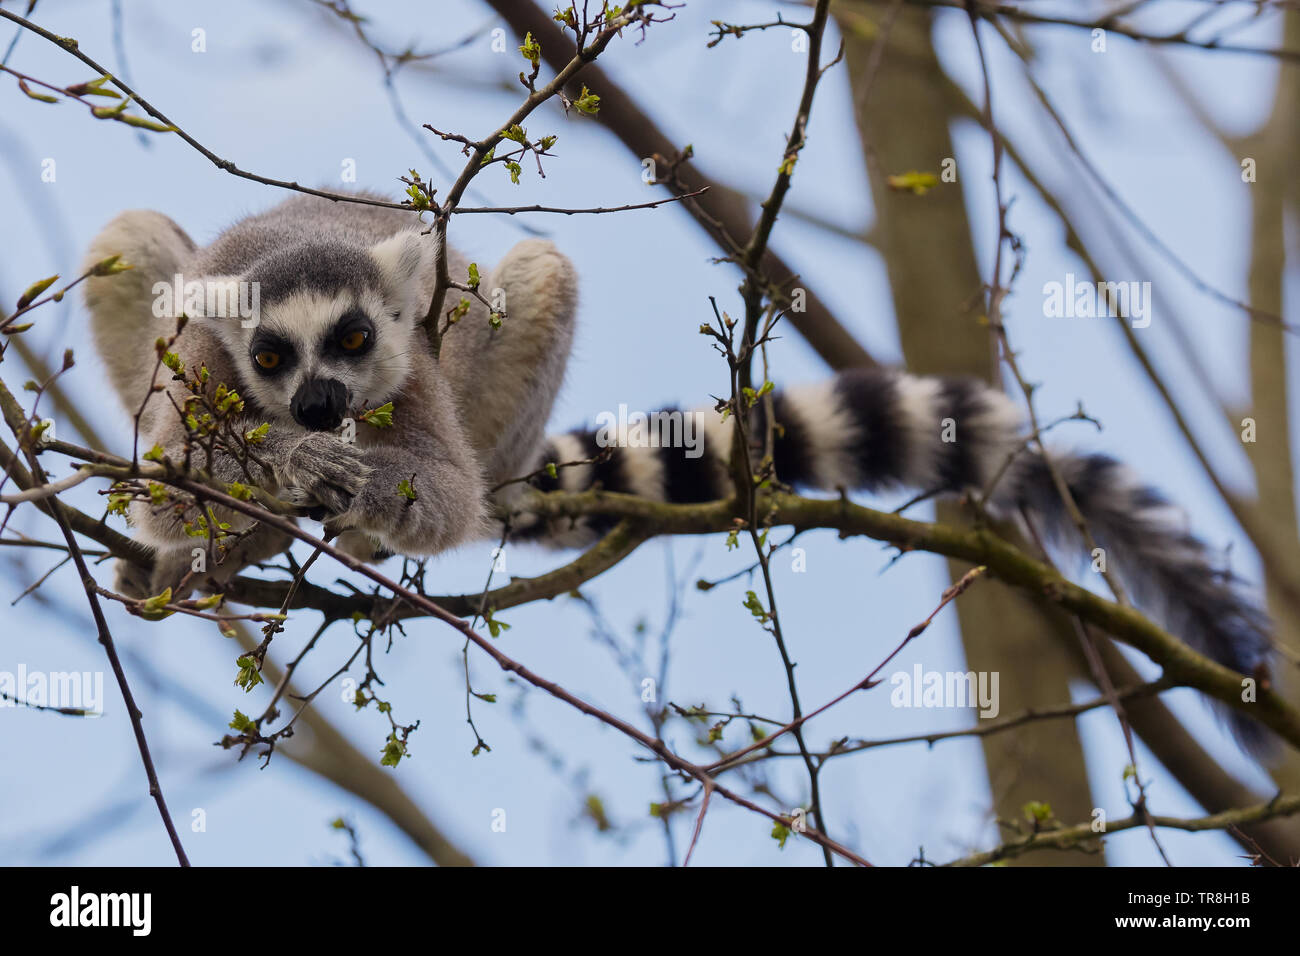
(155,608)
(918,184)
(1037,811)
(35,289)
(755,607)
(142,123)
(532,50)
(595,809)
(93,87)
(780,833)
(249,676)
(588,102)
(239,490)
(43,97)
(394,750)
(380,417)
(419,199)
(110,112)
(118,500)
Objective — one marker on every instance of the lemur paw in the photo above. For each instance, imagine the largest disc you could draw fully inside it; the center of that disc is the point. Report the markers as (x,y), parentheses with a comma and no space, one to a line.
(169,569)
(362,546)
(131,580)
(366,522)
(322,470)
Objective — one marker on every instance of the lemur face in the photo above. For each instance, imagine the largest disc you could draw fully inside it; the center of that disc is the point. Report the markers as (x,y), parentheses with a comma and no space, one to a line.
(316,358)
(334,331)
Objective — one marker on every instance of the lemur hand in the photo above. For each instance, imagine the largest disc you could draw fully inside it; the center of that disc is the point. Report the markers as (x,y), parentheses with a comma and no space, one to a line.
(321,469)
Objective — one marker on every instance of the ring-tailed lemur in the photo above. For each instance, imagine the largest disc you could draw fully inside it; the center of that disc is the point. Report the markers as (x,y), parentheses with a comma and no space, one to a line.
(340,292)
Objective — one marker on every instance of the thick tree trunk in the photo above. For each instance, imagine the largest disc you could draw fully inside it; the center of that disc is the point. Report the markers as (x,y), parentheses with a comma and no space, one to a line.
(927,245)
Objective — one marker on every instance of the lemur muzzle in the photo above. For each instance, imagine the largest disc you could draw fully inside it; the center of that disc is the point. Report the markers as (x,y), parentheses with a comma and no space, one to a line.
(319,404)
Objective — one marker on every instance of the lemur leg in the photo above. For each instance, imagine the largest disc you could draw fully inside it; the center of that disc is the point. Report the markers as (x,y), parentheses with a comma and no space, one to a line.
(125,328)
(172,565)
(425,490)
(506,379)
(121,313)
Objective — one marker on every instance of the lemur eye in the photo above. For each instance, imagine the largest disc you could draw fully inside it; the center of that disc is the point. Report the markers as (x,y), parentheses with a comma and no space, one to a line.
(354,340)
(268,360)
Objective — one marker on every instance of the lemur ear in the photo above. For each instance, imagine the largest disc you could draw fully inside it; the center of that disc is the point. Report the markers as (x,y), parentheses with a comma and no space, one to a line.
(403,260)
(231,302)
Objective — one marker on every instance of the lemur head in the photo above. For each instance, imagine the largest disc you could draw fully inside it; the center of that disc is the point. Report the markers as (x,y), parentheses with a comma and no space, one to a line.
(333,329)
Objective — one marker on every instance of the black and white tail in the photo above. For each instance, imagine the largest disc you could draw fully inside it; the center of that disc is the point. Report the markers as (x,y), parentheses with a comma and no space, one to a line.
(877,430)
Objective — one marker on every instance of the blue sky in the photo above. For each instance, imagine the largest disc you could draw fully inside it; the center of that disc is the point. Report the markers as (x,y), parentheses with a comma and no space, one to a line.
(282,91)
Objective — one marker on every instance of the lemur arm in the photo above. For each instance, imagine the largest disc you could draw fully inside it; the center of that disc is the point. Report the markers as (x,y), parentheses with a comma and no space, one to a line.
(426,454)
(505,379)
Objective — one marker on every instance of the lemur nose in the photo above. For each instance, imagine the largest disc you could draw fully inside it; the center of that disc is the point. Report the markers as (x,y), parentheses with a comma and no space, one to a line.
(319,404)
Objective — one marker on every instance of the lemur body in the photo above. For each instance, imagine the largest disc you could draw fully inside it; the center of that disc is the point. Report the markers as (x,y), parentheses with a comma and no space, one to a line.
(474,417)
(324,272)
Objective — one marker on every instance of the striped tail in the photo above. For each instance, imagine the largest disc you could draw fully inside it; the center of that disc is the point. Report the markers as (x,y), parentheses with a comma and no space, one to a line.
(879,430)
